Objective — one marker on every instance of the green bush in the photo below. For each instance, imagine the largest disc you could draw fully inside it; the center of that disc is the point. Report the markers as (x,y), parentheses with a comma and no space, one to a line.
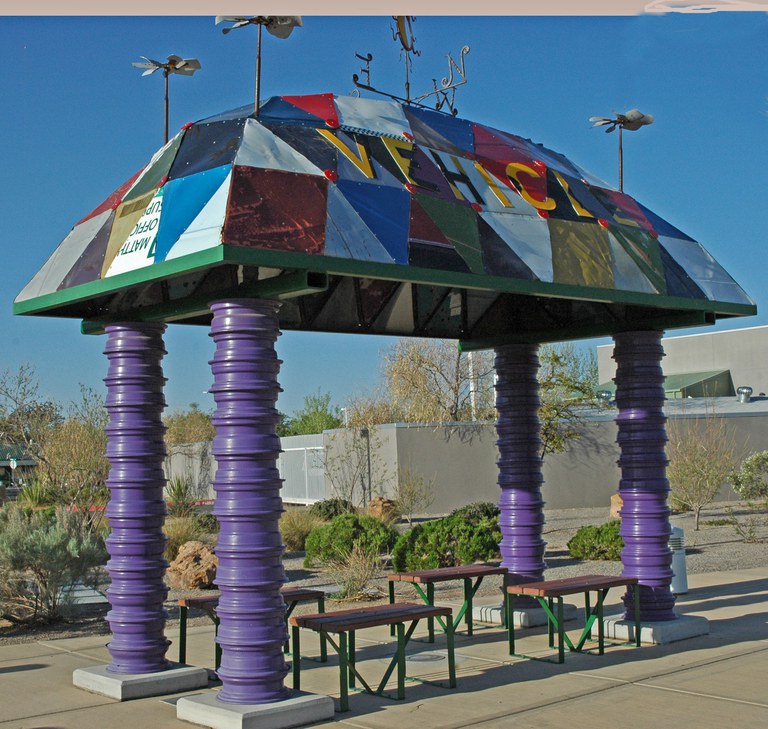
(40,556)
(330,508)
(207,522)
(597,542)
(477,511)
(37,494)
(295,527)
(750,481)
(334,540)
(180,497)
(447,542)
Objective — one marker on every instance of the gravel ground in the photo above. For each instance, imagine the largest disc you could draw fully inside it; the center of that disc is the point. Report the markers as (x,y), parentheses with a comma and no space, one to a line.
(716,547)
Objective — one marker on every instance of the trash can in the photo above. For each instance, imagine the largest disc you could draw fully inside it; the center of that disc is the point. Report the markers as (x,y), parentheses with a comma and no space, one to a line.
(679,584)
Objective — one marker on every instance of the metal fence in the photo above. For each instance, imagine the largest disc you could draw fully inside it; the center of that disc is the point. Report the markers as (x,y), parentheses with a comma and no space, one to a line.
(301,466)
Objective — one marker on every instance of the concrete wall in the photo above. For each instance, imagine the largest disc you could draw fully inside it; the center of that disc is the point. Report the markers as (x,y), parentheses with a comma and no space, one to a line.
(461,459)
(742,351)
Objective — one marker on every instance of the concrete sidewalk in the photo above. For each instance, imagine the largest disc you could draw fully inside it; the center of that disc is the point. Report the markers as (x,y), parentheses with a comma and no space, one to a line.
(714,681)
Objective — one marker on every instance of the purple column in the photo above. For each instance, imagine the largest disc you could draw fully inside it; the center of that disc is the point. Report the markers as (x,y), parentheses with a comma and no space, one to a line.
(520,478)
(136,508)
(248,503)
(644,486)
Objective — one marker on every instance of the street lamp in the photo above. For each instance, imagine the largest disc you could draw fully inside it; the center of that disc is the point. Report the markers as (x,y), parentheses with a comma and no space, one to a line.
(631,121)
(280,26)
(175,64)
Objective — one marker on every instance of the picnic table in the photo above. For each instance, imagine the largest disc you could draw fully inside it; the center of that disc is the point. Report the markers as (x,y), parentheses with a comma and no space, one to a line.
(546,592)
(428,578)
(345,623)
(208,604)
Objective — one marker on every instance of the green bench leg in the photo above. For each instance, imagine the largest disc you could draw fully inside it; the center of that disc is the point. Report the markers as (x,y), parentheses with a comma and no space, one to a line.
(323,643)
(431,601)
(509,617)
(343,673)
(600,627)
(183,633)
(391,601)
(296,660)
(217,649)
(400,661)
(550,622)
(351,658)
(560,632)
(636,592)
(449,634)
(468,592)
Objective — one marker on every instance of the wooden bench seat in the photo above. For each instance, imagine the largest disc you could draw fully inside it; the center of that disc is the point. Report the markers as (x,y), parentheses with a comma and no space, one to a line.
(208,604)
(546,592)
(466,573)
(344,623)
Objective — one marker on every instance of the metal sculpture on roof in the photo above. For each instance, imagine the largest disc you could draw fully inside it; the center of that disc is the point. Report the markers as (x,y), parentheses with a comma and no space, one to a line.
(382,193)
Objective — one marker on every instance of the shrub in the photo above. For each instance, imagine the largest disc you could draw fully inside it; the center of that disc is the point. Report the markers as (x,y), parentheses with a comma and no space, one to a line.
(40,556)
(477,511)
(329,508)
(353,572)
(295,526)
(36,495)
(335,540)
(597,542)
(180,530)
(750,481)
(179,492)
(447,542)
(207,522)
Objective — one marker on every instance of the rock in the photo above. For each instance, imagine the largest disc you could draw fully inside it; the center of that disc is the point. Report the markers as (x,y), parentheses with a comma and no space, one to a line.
(194,567)
(384,509)
(616,503)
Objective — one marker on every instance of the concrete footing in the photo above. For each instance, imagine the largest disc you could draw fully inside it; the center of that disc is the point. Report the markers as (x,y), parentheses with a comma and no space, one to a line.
(300,709)
(528,617)
(126,686)
(667,631)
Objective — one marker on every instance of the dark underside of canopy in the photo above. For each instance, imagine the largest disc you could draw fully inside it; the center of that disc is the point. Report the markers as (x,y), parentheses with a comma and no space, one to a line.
(319,301)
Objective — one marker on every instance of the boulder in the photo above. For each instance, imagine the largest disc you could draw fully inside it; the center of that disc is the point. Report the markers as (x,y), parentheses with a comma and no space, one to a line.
(616,503)
(194,567)
(384,509)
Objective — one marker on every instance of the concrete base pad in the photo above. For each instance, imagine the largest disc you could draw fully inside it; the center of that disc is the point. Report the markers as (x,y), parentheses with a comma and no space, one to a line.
(300,709)
(668,631)
(125,686)
(522,617)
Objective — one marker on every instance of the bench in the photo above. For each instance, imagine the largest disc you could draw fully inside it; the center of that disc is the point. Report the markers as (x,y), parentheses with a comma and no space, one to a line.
(344,623)
(465,573)
(547,591)
(292,596)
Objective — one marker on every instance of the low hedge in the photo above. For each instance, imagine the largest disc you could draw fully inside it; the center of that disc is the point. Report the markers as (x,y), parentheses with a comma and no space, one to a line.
(447,542)
(334,540)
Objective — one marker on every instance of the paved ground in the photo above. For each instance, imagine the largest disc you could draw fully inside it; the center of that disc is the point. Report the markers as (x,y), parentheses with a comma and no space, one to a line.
(710,682)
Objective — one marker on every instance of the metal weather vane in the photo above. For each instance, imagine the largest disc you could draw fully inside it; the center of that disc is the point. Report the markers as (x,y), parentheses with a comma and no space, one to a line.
(280,26)
(174,64)
(444,94)
(633,120)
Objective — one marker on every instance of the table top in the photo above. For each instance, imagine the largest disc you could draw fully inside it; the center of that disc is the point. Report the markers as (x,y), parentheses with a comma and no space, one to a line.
(368,617)
(569,585)
(443,574)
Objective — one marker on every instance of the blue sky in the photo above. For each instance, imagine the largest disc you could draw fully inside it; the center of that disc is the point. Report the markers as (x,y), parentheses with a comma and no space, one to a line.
(77,120)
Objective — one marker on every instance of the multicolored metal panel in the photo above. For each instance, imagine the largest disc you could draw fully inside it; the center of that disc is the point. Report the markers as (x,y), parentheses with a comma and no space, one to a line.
(394,188)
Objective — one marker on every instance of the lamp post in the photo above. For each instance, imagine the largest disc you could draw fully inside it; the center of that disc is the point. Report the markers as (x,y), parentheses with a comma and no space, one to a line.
(631,121)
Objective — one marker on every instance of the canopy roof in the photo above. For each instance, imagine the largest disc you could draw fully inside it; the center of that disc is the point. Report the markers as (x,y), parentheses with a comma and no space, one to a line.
(373,216)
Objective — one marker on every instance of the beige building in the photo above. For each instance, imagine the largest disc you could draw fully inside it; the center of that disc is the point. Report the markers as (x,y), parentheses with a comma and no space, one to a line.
(741,353)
